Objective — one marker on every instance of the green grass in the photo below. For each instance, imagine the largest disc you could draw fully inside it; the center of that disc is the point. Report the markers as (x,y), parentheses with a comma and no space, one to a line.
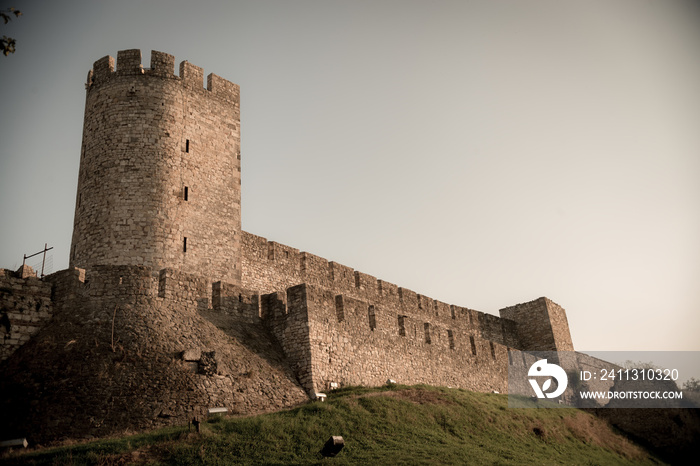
(388,425)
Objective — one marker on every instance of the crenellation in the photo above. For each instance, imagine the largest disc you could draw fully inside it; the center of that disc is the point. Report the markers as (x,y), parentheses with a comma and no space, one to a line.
(223,89)
(255,246)
(365,284)
(162,64)
(315,269)
(129,62)
(283,255)
(192,76)
(408,298)
(102,69)
(343,276)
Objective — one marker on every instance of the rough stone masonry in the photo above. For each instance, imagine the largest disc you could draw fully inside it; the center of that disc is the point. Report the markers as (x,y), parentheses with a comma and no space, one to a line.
(168,308)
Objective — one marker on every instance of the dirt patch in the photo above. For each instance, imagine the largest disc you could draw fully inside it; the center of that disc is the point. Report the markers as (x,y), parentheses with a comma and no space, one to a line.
(593,430)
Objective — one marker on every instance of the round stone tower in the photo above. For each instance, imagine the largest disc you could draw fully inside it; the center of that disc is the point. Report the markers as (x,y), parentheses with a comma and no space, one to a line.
(159,181)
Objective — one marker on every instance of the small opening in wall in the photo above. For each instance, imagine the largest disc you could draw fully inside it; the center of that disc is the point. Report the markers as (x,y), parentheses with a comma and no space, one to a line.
(451,338)
(80,199)
(372,318)
(493,350)
(339,308)
(471,341)
(452,311)
(5,322)
(426,327)
(187,145)
(187,193)
(402,326)
(420,303)
(184,244)
(121,280)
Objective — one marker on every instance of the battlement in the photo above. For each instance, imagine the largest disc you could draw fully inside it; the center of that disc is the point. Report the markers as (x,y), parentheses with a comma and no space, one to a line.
(129,63)
(269,266)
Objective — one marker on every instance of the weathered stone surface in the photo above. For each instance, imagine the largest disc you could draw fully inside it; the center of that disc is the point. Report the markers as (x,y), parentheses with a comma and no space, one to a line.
(192,355)
(25,307)
(114,348)
(159,167)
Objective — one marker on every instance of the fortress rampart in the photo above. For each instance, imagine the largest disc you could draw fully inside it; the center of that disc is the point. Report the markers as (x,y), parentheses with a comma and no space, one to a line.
(168,307)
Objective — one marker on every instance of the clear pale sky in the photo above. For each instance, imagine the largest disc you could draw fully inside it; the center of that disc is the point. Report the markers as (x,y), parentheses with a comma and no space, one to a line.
(482,153)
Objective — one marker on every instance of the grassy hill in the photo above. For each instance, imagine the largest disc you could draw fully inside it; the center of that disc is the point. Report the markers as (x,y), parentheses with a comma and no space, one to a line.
(388,425)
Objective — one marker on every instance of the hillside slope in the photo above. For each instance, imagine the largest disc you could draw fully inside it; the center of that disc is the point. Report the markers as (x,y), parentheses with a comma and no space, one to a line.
(389,425)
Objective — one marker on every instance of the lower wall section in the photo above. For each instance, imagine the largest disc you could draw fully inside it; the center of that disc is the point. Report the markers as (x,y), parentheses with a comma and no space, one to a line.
(25,307)
(354,342)
(130,349)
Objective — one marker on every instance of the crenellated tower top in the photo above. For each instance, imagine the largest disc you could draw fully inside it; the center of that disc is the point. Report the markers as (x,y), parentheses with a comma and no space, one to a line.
(162,65)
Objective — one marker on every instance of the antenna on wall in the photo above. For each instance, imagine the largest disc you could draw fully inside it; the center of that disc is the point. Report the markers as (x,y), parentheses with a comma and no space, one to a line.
(43,261)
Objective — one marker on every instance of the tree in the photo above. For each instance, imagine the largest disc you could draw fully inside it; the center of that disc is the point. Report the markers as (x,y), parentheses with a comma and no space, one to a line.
(8,43)
(692,385)
(639,365)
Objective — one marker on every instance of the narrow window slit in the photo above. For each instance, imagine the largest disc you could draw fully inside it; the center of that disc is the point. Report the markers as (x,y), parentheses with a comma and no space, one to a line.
(187,145)
(339,308)
(402,326)
(187,192)
(184,245)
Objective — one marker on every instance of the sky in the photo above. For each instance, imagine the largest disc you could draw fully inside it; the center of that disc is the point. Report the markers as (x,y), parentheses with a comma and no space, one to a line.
(482,153)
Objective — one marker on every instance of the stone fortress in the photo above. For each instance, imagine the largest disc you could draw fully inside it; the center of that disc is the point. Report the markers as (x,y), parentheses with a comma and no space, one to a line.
(168,308)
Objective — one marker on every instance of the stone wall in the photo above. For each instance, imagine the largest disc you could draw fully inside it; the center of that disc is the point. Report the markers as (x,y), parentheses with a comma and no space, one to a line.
(118,357)
(357,342)
(159,180)
(25,307)
(272,267)
(541,325)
